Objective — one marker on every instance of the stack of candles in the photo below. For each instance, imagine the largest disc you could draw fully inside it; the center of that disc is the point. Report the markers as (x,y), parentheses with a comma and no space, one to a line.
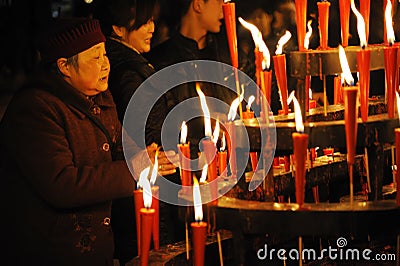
(363,62)
(300,143)
(262,63)
(280,70)
(198,228)
(350,116)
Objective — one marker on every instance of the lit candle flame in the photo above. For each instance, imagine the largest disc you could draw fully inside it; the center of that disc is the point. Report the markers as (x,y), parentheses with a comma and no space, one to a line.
(398,103)
(153,176)
(345,67)
(389,23)
(223,142)
(203,177)
(234,107)
(308,34)
(198,209)
(250,102)
(206,112)
(143,176)
(360,25)
(216,132)
(259,42)
(184,131)
(147,198)
(226,1)
(310,93)
(297,112)
(282,41)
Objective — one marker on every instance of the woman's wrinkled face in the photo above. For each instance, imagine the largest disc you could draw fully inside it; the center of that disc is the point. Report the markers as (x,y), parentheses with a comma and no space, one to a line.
(91,74)
(140,39)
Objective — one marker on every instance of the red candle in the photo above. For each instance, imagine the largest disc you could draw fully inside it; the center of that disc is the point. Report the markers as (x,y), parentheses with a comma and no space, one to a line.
(286,161)
(222,155)
(363,63)
(307,84)
(350,118)
(210,152)
(344,8)
(280,72)
(313,154)
(156,220)
(312,104)
(365,11)
(301,19)
(300,143)
(184,157)
(338,93)
(138,200)
(231,142)
(198,228)
(397,133)
(248,114)
(146,220)
(230,24)
(323,21)
(391,70)
(253,160)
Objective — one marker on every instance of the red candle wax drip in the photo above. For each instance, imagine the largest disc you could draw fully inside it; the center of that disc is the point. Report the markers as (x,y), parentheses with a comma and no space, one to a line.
(230,24)
(184,157)
(391,75)
(301,20)
(365,11)
(397,134)
(344,9)
(300,143)
(231,143)
(363,62)
(323,20)
(156,220)
(146,220)
(199,242)
(280,72)
(350,119)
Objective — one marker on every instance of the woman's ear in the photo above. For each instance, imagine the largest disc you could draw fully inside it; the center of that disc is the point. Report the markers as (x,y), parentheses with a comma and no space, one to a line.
(198,5)
(63,67)
(118,30)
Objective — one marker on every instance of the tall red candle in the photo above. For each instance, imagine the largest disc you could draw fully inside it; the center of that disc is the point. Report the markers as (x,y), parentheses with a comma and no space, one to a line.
(391,70)
(301,19)
(281,78)
(365,11)
(198,228)
(184,157)
(254,160)
(230,24)
(350,118)
(222,156)
(231,142)
(210,152)
(363,63)
(300,143)
(323,21)
(344,9)
(138,200)
(337,88)
(397,133)
(156,219)
(146,221)
(307,85)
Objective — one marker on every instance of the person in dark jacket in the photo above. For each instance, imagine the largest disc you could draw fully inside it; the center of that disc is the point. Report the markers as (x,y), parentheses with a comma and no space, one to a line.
(62,161)
(129,27)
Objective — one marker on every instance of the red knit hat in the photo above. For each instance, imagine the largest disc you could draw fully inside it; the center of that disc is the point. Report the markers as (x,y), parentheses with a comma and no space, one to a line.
(69,36)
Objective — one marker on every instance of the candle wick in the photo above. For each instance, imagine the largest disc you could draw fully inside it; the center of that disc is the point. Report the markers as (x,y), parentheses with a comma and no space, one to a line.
(363,47)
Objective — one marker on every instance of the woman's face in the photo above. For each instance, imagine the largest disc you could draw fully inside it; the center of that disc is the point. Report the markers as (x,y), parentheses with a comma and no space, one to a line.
(140,39)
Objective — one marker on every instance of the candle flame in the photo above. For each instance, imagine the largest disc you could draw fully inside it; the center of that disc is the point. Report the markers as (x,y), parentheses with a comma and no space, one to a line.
(282,41)
(226,1)
(216,132)
(308,34)
(360,25)
(345,67)
(389,23)
(143,176)
(147,197)
(203,177)
(198,209)
(206,112)
(310,93)
(259,42)
(153,176)
(250,101)
(223,142)
(234,107)
(297,112)
(184,131)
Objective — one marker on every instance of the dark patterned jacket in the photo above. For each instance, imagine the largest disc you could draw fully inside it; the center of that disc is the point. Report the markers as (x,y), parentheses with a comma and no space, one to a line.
(59,174)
